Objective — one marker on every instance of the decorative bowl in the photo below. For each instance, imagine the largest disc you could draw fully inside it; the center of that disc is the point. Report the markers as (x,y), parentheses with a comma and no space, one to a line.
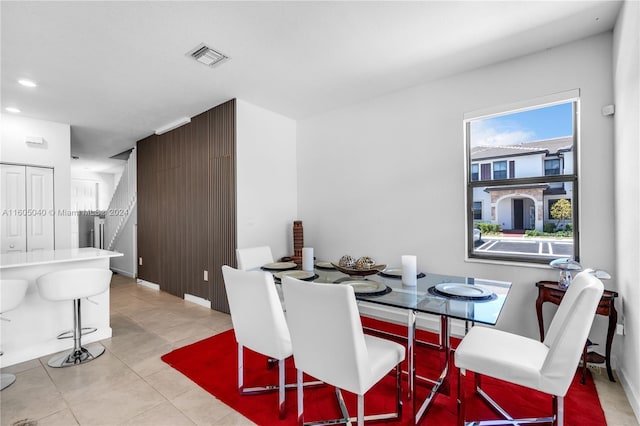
(354,272)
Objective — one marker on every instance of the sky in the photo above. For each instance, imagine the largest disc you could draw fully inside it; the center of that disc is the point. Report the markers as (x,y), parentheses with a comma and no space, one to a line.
(524,126)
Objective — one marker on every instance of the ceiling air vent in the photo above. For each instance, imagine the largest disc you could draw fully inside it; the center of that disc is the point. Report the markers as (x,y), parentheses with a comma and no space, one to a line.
(206,55)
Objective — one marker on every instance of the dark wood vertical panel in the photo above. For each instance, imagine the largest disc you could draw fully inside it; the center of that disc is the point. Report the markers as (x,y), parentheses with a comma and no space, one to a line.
(196,190)
(222,210)
(171,206)
(222,129)
(148,195)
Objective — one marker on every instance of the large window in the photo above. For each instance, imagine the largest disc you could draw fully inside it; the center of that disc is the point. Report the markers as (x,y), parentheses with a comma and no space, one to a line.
(538,139)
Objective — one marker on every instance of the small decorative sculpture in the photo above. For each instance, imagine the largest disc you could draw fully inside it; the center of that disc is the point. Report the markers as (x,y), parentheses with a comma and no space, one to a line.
(565,265)
(347,261)
(298,241)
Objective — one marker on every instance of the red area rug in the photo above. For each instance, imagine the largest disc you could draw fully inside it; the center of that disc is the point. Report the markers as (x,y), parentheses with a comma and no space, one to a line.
(212,364)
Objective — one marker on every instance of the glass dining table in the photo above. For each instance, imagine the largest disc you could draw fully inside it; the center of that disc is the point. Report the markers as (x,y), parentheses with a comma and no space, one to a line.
(472,300)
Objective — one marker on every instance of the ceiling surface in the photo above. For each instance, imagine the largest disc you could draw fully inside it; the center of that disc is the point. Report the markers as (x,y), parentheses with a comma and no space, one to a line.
(115,71)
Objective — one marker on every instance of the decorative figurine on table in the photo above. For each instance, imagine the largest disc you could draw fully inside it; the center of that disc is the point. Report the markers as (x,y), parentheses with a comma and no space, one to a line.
(565,265)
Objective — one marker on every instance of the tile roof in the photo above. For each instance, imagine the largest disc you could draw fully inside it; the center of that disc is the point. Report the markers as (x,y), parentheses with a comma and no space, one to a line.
(547,147)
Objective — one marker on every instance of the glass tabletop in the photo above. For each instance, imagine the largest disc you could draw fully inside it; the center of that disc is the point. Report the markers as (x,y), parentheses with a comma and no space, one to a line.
(425,297)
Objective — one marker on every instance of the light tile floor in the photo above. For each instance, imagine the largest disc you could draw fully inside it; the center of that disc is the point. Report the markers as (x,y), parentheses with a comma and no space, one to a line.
(130,385)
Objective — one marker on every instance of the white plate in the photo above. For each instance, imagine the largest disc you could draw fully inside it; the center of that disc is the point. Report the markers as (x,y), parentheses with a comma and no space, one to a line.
(365,286)
(301,275)
(280,265)
(325,265)
(463,290)
(394,272)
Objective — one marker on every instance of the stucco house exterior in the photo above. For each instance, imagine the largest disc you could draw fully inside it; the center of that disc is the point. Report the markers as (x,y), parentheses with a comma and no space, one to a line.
(527,206)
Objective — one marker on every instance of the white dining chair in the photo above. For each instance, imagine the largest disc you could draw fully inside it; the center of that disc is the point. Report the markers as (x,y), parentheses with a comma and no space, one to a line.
(253,257)
(547,366)
(259,324)
(329,345)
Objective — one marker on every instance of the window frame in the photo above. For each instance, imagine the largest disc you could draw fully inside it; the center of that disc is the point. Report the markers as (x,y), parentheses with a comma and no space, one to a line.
(548,160)
(573,177)
(474,209)
(504,170)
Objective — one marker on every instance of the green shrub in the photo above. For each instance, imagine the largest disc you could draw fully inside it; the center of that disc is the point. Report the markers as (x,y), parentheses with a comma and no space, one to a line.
(549,227)
(557,234)
(488,228)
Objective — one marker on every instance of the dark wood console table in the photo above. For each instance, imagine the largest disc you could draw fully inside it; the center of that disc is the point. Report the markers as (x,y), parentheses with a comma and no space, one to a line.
(549,291)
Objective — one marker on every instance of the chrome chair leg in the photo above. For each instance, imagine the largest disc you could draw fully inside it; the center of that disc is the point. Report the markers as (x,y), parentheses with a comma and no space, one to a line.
(556,419)
(461,399)
(79,354)
(281,387)
(346,419)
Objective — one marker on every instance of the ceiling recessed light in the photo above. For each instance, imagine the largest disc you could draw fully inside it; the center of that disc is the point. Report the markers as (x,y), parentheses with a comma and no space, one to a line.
(27,83)
(206,55)
(13,109)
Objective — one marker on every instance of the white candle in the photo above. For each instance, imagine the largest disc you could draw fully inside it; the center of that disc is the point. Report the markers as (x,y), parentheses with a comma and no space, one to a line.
(307,259)
(409,271)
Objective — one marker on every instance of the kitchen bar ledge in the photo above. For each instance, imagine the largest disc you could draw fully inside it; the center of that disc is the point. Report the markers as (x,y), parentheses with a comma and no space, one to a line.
(33,326)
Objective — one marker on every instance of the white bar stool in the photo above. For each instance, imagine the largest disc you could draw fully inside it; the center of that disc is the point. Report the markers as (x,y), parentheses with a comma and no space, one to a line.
(12,293)
(75,284)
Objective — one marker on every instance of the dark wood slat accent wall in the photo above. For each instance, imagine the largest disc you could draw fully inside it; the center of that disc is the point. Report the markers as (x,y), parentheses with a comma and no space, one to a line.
(186,205)
(148,188)
(196,190)
(222,206)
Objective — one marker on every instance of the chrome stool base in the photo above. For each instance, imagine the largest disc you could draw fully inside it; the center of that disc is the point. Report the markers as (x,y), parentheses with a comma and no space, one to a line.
(6,380)
(69,333)
(77,356)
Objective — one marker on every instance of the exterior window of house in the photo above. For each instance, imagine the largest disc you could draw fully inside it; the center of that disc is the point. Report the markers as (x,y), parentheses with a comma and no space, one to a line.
(538,139)
(485,171)
(552,167)
(474,172)
(477,210)
(500,170)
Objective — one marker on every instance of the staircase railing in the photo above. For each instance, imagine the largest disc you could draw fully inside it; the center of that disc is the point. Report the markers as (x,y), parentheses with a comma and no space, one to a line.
(122,203)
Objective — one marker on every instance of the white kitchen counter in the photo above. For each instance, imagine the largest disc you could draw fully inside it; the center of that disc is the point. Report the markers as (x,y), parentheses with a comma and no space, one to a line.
(33,326)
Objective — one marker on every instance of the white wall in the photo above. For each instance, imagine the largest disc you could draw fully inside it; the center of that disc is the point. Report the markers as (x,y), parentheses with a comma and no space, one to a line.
(106,184)
(386,177)
(266,178)
(127,244)
(626,72)
(54,153)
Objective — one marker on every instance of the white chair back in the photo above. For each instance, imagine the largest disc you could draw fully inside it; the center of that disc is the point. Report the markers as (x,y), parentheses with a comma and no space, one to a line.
(11,294)
(253,257)
(256,312)
(569,330)
(70,284)
(326,333)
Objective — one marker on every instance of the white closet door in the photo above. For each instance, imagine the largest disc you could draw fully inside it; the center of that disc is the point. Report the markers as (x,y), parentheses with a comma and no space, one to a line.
(40,227)
(14,206)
